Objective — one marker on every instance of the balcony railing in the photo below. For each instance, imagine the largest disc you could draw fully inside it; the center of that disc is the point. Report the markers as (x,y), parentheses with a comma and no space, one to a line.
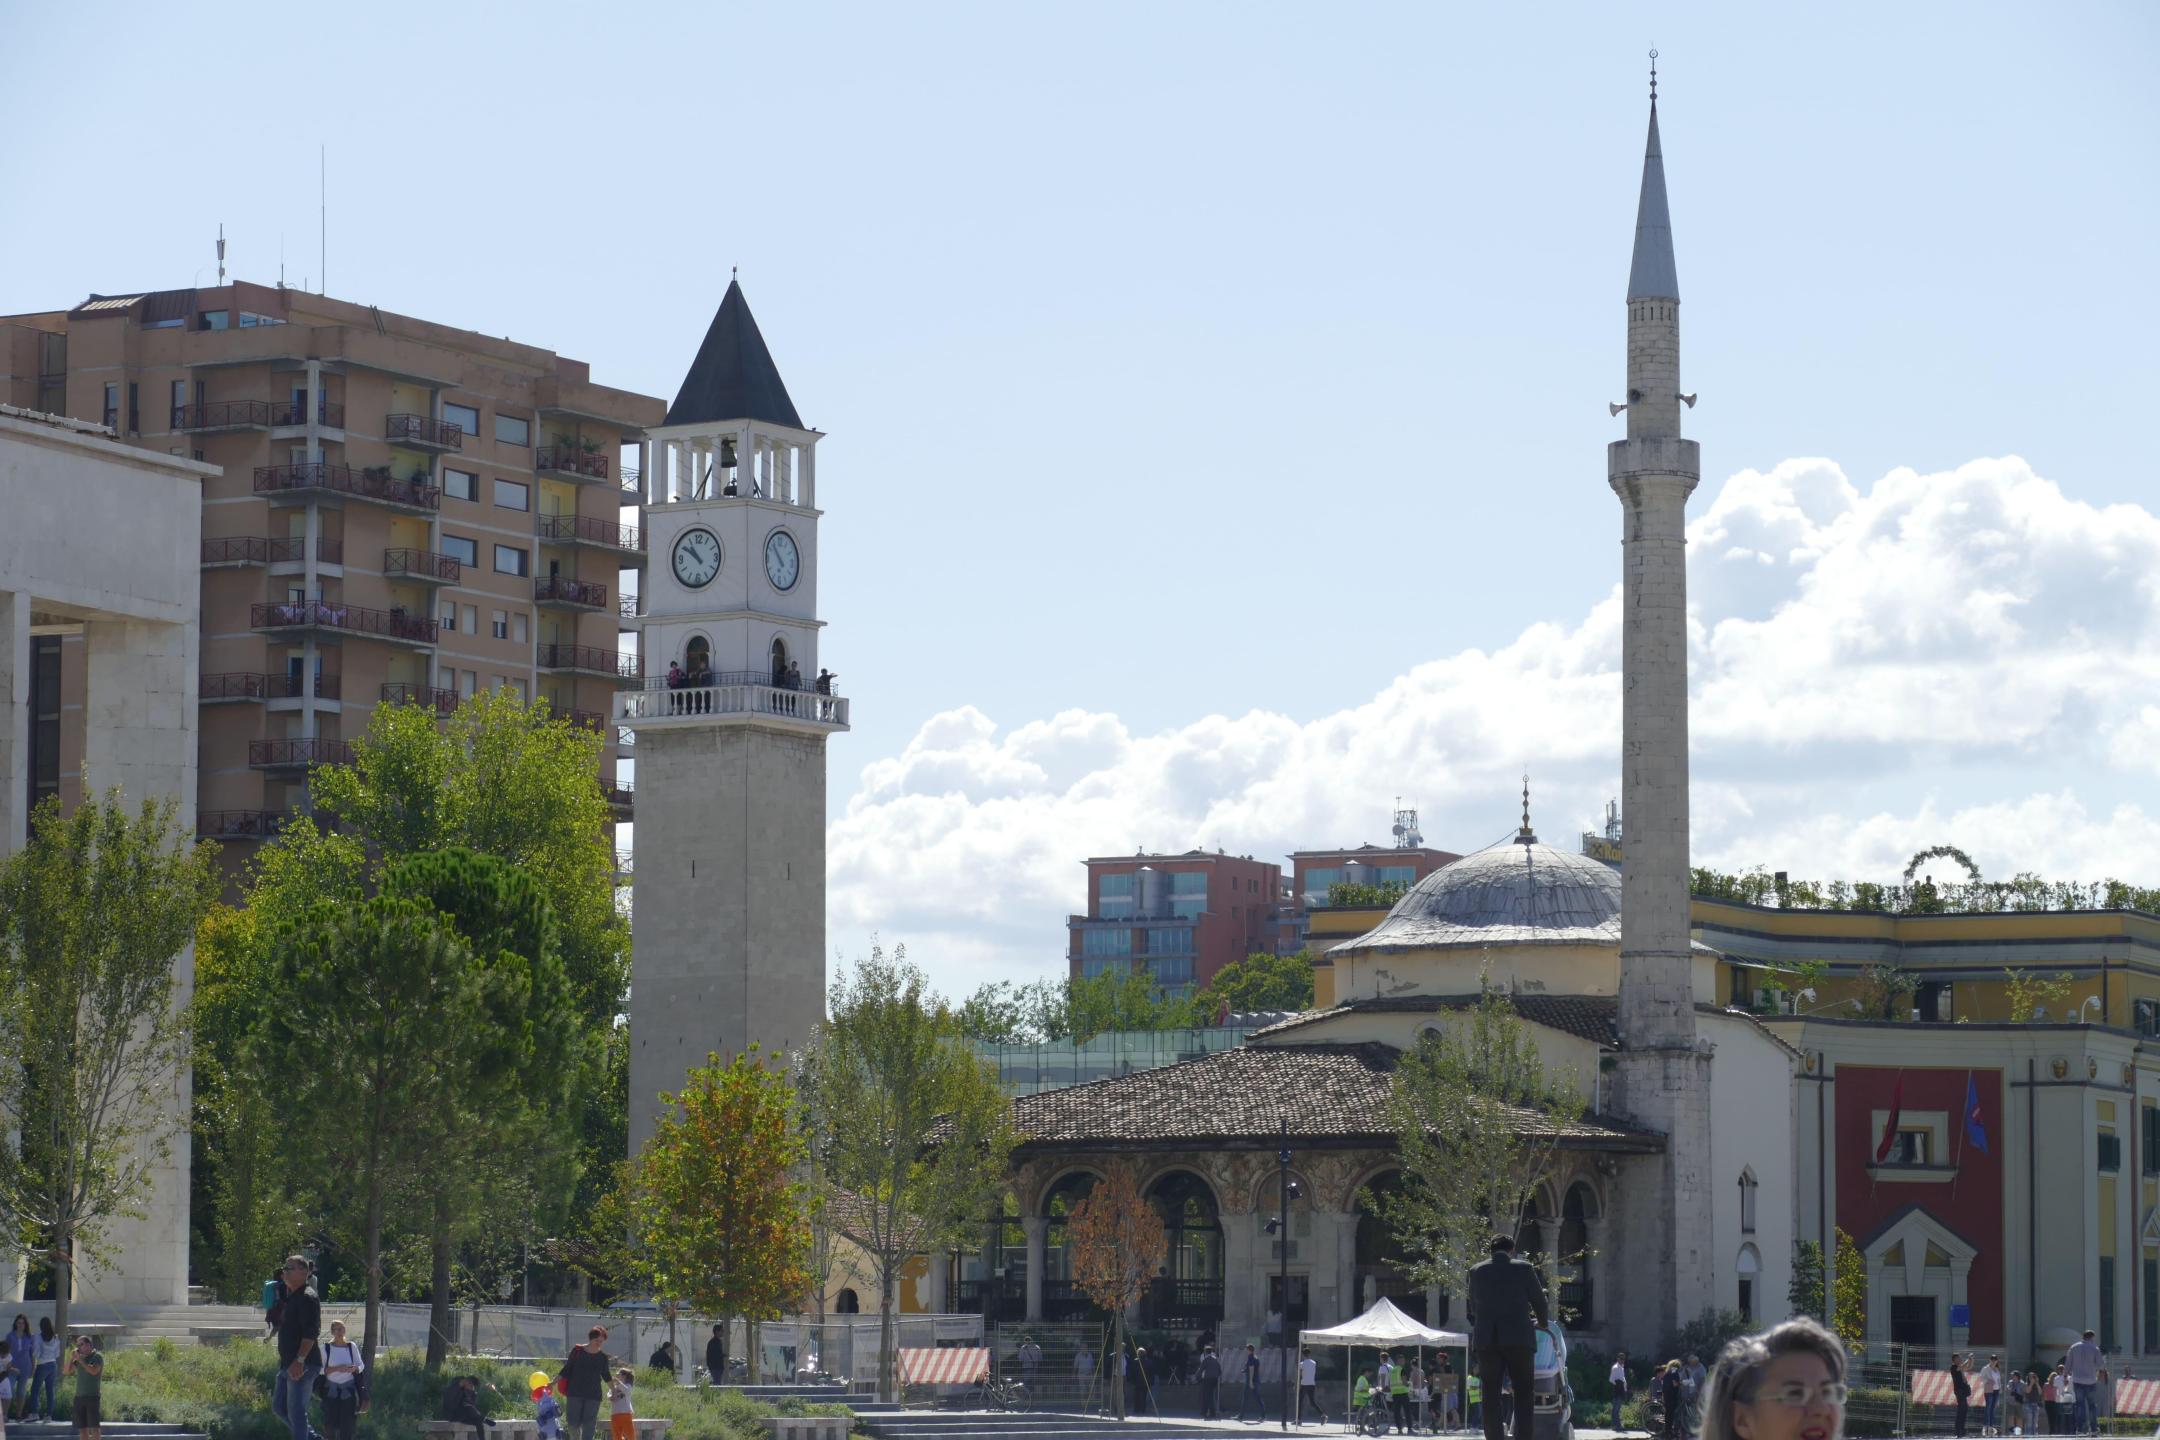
(621,796)
(757,697)
(223,415)
(586,719)
(589,658)
(422,565)
(337,615)
(238,824)
(268,550)
(251,685)
(371,484)
(571,461)
(590,530)
(632,483)
(422,431)
(443,702)
(294,412)
(564,590)
(298,754)
(1185,1299)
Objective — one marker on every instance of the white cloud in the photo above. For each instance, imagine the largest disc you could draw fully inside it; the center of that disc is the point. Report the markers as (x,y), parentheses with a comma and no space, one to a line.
(1967,657)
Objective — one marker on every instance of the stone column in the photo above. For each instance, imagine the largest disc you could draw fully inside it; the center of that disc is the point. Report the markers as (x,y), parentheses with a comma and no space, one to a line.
(14,718)
(1038,1230)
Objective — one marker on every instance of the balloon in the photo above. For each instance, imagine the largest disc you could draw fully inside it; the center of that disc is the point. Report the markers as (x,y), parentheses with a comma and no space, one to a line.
(538,1380)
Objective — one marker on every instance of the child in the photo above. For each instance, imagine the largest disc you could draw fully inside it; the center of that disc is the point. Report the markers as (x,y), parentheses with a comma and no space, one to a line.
(550,1408)
(622,1421)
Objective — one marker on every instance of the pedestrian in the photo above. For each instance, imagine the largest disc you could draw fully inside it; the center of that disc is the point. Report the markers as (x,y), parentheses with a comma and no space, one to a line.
(1210,1378)
(1787,1383)
(88,1368)
(1420,1397)
(1505,1296)
(1398,1397)
(1308,1388)
(344,1385)
(584,1377)
(1473,1400)
(22,1357)
(1618,1379)
(2014,1403)
(547,1409)
(2033,1390)
(2059,1399)
(1251,1397)
(1960,1393)
(2088,1372)
(461,1405)
(299,1333)
(622,1419)
(1990,1394)
(1448,1402)
(1030,1361)
(45,1374)
(663,1359)
(716,1355)
(1669,1399)
(1361,1394)
(1694,1379)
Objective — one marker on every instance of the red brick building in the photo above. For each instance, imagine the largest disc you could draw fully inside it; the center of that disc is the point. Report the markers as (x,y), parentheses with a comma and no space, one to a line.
(1180,917)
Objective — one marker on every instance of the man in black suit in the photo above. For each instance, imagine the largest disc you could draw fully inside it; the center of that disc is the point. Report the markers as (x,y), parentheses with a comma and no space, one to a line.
(1506,1295)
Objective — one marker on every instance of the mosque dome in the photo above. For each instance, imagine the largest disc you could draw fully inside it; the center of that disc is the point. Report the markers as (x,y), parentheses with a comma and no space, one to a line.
(1517,893)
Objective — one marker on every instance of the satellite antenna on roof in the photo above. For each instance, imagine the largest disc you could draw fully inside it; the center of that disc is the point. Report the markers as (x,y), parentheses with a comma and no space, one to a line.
(1406,827)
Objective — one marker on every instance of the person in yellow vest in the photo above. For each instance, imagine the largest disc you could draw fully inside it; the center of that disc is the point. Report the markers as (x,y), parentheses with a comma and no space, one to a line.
(1399,1397)
(1474,1390)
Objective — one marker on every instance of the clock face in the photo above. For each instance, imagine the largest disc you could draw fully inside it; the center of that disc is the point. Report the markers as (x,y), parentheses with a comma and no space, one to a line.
(697,558)
(782,561)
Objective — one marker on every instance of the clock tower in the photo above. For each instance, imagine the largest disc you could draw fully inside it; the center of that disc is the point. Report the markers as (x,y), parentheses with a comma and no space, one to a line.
(728,904)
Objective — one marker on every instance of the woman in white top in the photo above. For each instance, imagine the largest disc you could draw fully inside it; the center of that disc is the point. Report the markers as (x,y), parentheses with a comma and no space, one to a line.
(344,1395)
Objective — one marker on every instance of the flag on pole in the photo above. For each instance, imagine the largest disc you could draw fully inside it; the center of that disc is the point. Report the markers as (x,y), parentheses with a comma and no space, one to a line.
(1889,1129)
(1974,1130)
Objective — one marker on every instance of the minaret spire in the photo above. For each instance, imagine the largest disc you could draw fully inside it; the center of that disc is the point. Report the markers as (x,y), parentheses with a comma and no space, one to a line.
(1652,275)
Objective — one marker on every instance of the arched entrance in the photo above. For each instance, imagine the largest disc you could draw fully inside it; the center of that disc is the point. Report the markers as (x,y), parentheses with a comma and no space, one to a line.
(779,661)
(1190,1289)
(1571,1262)
(1061,1298)
(992,1281)
(1379,1257)
(847,1302)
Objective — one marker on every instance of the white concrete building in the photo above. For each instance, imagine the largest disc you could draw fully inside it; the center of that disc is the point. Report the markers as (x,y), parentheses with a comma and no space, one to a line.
(99,550)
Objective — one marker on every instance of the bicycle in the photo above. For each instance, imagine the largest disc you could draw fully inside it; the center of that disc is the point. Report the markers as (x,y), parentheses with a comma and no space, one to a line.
(998,1392)
(1374,1417)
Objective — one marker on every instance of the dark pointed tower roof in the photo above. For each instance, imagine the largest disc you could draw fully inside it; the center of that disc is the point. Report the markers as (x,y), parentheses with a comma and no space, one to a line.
(1652,276)
(733,377)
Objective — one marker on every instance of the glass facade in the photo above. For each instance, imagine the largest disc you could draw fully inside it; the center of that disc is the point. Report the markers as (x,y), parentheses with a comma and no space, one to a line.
(1053,1065)
(1169,940)
(1106,940)
(1172,972)
(1114,897)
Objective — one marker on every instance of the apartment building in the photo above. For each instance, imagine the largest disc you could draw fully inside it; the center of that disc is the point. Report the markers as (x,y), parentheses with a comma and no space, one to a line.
(1179,917)
(405,512)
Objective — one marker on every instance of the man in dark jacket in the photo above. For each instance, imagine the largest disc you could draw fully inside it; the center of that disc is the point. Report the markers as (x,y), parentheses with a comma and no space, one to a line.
(1210,1378)
(461,1403)
(716,1355)
(1506,1297)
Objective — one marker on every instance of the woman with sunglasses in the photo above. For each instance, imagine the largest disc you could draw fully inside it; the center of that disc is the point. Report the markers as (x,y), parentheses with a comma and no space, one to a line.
(1787,1383)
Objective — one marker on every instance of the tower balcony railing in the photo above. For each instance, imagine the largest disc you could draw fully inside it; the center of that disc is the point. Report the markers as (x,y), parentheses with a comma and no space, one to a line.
(397,692)
(572,462)
(425,566)
(292,414)
(298,754)
(564,592)
(337,615)
(591,530)
(223,415)
(733,693)
(374,483)
(423,433)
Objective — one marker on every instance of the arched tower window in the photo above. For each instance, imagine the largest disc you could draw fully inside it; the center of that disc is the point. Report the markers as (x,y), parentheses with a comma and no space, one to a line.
(1747,1201)
(697,656)
(779,661)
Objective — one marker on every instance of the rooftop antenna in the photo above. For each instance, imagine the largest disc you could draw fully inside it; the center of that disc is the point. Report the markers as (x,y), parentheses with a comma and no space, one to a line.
(221,253)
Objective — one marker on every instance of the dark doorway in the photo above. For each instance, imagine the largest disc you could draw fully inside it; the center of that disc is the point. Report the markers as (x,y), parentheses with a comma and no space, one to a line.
(1912,1320)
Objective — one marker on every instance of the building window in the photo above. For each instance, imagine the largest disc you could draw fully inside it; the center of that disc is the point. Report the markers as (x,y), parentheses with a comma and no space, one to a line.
(1094,967)
(1932,1000)
(179,400)
(1171,971)
(501,622)
(449,617)
(2149,1140)
(2145,1016)
(1114,897)
(216,319)
(517,627)
(2110,1153)
(1170,940)
(1912,1147)
(510,495)
(461,549)
(460,484)
(472,619)
(510,560)
(112,405)
(465,417)
(249,320)
(1106,940)
(513,430)
(468,683)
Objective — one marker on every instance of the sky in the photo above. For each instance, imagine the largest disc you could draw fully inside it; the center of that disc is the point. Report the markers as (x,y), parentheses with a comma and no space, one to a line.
(1216,393)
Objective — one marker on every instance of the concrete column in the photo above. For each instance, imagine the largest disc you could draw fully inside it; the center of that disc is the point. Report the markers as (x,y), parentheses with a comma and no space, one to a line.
(645,474)
(1038,1230)
(809,476)
(1334,1268)
(14,718)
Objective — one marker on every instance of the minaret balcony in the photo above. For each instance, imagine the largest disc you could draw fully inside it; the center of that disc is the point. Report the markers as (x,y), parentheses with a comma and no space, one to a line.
(746,697)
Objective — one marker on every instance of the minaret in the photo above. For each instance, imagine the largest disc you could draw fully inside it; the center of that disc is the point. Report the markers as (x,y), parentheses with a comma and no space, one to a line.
(1662,1080)
(727,930)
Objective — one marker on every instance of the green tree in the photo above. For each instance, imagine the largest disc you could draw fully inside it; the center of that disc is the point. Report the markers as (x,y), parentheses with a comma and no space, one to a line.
(1849,1292)
(1479,1123)
(2030,994)
(93,1043)
(725,1223)
(1356,895)
(1805,1292)
(911,1129)
(1260,982)
(1123,999)
(1000,1012)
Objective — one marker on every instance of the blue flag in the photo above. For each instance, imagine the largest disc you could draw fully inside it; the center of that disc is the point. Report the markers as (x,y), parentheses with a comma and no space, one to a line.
(1974,1130)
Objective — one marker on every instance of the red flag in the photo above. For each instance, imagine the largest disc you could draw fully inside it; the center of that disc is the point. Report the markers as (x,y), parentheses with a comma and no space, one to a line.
(1889,1129)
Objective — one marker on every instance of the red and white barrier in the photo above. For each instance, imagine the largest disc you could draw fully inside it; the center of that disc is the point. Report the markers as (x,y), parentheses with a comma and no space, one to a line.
(950,1365)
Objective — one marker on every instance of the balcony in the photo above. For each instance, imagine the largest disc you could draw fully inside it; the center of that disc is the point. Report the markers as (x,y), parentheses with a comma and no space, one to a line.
(418,432)
(298,754)
(572,463)
(238,824)
(336,615)
(632,485)
(594,720)
(320,479)
(250,685)
(225,552)
(626,608)
(625,863)
(750,694)
(292,415)
(592,532)
(443,702)
(589,660)
(214,415)
(425,566)
(619,798)
(1190,1301)
(562,592)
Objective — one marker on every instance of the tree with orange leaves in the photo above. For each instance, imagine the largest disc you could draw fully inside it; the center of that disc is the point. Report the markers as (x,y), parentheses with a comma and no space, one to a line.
(724,1223)
(1117,1243)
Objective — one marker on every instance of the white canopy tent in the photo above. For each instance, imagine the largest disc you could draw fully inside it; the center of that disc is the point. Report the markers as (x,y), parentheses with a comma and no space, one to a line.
(1384,1328)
